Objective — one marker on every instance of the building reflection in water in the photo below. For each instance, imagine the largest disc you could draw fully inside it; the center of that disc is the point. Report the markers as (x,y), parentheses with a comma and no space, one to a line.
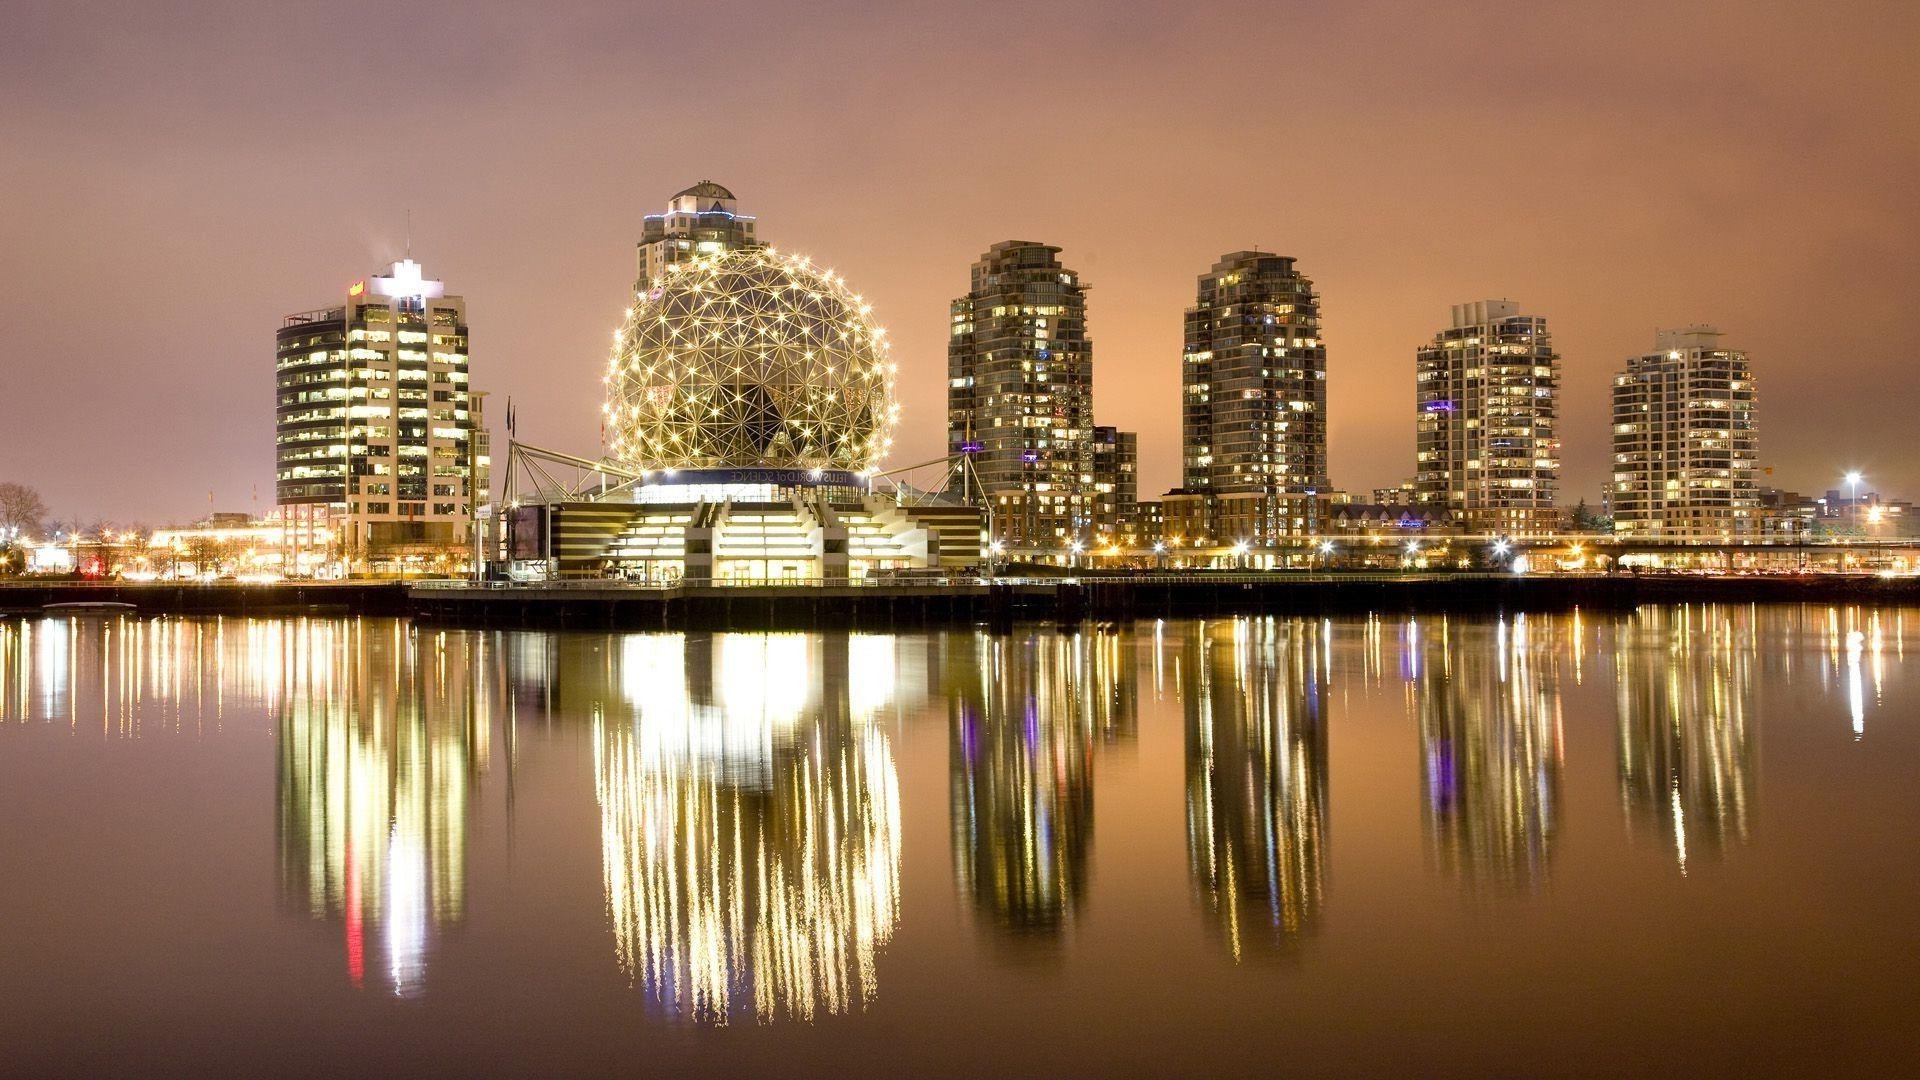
(1024,716)
(1490,744)
(1857,635)
(749,817)
(1684,692)
(124,676)
(1257,778)
(383,733)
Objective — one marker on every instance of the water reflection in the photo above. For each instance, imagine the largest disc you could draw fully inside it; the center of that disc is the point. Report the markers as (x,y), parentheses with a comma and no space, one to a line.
(382,737)
(1024,715)
(743,852)
(1257,778)
(749,818)
(1488,705)
(124,676)
(1685,685)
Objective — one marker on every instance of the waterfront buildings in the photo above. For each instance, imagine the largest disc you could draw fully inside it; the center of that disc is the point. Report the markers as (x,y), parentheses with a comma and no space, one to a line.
(1020,402)
(1488,443)
(704,219)
(1684,440)
(749,404)
(1116,482)
(1254,401)
(1402,494)
(376,421)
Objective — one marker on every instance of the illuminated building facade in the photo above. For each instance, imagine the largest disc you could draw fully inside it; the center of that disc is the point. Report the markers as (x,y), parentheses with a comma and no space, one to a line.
(1020,396)
(376,421)
(1253,413)
(1488,401)
(705,219)
(1685,441)
(1116,483)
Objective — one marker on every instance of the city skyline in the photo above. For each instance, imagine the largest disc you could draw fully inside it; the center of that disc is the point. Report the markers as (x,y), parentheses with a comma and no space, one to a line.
(537,227)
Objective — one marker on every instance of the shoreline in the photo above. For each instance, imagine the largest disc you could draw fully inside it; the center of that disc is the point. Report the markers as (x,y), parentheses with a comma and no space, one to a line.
(601,606)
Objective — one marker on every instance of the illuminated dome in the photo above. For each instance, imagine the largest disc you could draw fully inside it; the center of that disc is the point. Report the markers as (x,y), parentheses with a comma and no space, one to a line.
(750,359)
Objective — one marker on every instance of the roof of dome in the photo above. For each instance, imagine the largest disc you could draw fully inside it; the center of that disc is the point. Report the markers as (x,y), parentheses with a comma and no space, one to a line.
(706,189)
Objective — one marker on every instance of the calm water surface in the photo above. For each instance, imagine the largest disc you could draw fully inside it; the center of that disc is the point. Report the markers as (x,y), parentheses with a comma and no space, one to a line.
(1683,839)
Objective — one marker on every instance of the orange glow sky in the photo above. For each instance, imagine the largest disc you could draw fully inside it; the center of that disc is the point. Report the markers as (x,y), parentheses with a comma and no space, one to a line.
(173,184)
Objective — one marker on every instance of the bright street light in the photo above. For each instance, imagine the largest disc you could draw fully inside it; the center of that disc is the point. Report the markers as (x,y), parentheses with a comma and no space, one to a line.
(1501,547)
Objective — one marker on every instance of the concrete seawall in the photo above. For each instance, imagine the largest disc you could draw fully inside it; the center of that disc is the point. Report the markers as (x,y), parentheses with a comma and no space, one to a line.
(1112,599)
(1003,603)
(218,598)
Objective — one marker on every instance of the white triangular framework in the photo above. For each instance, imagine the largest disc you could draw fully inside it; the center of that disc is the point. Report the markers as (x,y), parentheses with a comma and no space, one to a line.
(750,359)
(535,475)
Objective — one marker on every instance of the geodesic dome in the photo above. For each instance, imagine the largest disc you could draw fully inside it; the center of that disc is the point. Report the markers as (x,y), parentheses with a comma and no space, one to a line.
(750,358)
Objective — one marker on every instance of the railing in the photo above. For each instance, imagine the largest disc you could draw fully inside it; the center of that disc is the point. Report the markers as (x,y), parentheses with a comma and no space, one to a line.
(29,581)
(1269,577)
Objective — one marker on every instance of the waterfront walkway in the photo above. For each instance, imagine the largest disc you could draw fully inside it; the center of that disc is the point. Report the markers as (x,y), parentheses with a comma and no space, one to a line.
(955,601)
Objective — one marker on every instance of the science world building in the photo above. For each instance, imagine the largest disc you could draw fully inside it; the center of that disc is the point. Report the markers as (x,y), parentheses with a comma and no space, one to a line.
(749,407)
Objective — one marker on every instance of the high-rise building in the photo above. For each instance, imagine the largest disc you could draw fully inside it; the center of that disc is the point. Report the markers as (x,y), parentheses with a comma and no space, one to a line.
(1254,399)
(704,219)
(1020,396)
(1488,450)
(1684,441)
(1116,482)
(375,421)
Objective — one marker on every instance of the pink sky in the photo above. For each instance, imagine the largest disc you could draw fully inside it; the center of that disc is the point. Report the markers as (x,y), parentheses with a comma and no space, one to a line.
(174,183)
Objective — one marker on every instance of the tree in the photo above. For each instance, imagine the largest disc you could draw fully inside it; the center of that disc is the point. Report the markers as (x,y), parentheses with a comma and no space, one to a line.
(1586,521)
(21,508)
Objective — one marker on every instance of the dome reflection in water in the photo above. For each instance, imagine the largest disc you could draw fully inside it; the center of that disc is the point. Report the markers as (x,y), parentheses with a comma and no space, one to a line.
(749,822)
